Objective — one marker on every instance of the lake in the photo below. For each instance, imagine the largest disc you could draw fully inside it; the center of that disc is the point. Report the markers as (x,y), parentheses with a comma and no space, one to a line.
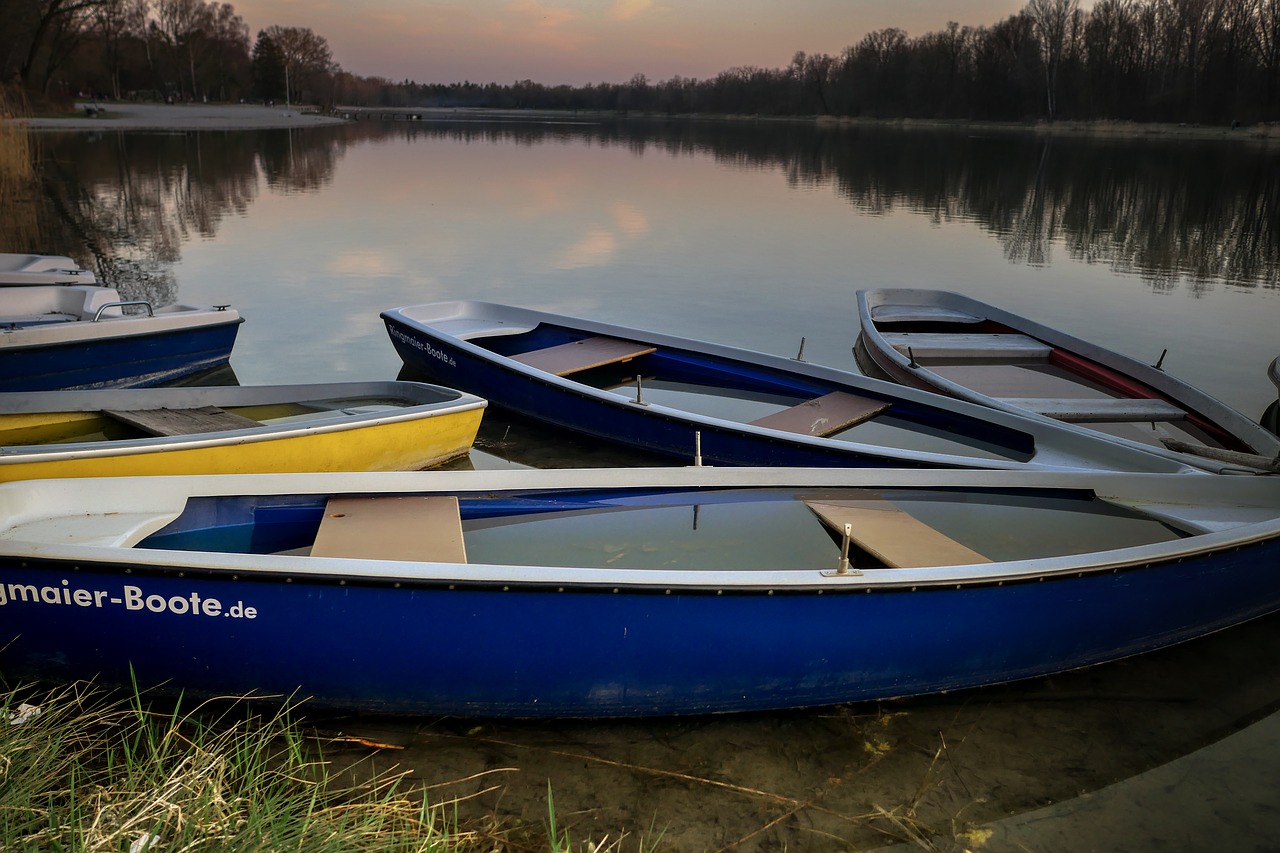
(755,235)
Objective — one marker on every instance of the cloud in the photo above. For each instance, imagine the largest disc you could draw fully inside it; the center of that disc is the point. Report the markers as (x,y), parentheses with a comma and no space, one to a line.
(625,10)
(530,22)
(539,15)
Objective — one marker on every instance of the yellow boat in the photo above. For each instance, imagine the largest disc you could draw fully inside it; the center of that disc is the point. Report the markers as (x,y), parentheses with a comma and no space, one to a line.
(355,426)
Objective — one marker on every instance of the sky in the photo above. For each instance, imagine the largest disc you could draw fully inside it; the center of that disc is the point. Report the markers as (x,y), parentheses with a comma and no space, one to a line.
(605,41)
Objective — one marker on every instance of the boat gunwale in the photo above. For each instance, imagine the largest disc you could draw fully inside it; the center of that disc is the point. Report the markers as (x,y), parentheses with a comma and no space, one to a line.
(1140,557)
(72,332)
(347,572)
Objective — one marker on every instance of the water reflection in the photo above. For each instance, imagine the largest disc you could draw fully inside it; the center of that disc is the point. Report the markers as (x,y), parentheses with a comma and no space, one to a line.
(1170,211)
(128,202)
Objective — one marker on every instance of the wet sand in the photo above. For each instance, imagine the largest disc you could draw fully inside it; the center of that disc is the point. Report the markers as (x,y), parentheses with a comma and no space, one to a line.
(130,116)
(1159,750)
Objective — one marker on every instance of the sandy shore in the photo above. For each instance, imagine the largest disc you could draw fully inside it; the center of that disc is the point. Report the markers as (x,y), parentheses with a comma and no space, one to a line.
(149,116)
(130,116)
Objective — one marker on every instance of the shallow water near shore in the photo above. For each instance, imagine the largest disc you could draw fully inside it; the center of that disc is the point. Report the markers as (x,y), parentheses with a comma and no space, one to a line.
(755,236)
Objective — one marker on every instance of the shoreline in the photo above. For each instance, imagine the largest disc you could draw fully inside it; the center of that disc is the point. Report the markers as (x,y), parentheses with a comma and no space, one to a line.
(123,115)
(183,117)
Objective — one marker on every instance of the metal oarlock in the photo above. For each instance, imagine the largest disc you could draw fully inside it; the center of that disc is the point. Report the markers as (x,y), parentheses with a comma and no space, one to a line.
(843,567)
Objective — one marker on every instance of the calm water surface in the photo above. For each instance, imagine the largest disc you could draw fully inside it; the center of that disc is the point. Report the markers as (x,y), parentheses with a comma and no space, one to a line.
(757,236)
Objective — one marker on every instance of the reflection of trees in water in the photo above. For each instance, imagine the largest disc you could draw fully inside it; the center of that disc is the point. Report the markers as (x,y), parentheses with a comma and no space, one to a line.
(1170,211)
(132,199)
(1176,213)
(296,161)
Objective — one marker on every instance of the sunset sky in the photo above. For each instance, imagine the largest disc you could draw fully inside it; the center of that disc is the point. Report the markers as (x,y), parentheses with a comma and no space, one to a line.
(594,41)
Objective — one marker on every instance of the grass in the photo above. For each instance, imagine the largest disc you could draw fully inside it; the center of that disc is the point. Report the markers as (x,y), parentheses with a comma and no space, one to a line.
(90,772)
(86,770)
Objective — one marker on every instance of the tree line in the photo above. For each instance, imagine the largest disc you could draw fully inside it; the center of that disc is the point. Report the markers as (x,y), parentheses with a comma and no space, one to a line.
(177,50)
(1194,61)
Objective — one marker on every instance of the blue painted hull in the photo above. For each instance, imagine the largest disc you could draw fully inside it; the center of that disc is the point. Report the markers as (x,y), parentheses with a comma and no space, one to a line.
(535,651)
(118,362)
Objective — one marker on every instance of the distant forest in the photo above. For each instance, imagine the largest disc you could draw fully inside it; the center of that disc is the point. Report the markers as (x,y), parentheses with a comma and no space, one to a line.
(1192,61)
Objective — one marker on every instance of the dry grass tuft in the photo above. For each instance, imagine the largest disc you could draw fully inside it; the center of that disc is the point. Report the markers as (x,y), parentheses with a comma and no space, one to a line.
(93,773)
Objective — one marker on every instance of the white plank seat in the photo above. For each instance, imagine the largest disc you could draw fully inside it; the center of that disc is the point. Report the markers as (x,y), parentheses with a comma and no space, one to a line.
(1100,410)
(181,421)
(417,528)
(892,536)
(466,327)
(823,415)
(894,313)
(1001,347)
(585,354)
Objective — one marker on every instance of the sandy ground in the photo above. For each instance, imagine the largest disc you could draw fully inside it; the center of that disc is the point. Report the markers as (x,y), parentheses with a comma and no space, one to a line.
(130,116)
(149,116)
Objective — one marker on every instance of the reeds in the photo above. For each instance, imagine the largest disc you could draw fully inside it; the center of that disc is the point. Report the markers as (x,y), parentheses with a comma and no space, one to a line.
(87,772)
(18,184)
(16,170)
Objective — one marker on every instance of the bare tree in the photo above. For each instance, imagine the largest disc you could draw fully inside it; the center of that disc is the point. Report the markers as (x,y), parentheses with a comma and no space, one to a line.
(1052,20)
(182,23)
(1266,46)
(228,37)
(115,21)
(305,54)
(54,27)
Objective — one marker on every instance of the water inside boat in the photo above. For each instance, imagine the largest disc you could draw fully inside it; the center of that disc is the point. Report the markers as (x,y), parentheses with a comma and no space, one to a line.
(732,528)
(51,428)
(744,393)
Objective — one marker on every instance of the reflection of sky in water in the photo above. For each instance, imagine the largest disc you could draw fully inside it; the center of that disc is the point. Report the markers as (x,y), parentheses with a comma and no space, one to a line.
(684,243)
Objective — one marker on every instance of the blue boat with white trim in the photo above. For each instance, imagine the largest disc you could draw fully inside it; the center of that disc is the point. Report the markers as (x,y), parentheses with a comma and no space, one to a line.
(65,336)
(620,592)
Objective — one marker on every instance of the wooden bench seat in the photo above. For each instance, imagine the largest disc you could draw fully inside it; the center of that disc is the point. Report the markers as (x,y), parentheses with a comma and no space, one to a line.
(1106,409)
(1012,346)
(417,528)
(824,415)
(892,536)
(582,355)
(182,421)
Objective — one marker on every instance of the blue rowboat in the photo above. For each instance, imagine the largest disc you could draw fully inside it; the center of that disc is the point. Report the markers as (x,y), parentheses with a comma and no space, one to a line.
(955,345)
(85,336)
(620,592)
(692,400)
